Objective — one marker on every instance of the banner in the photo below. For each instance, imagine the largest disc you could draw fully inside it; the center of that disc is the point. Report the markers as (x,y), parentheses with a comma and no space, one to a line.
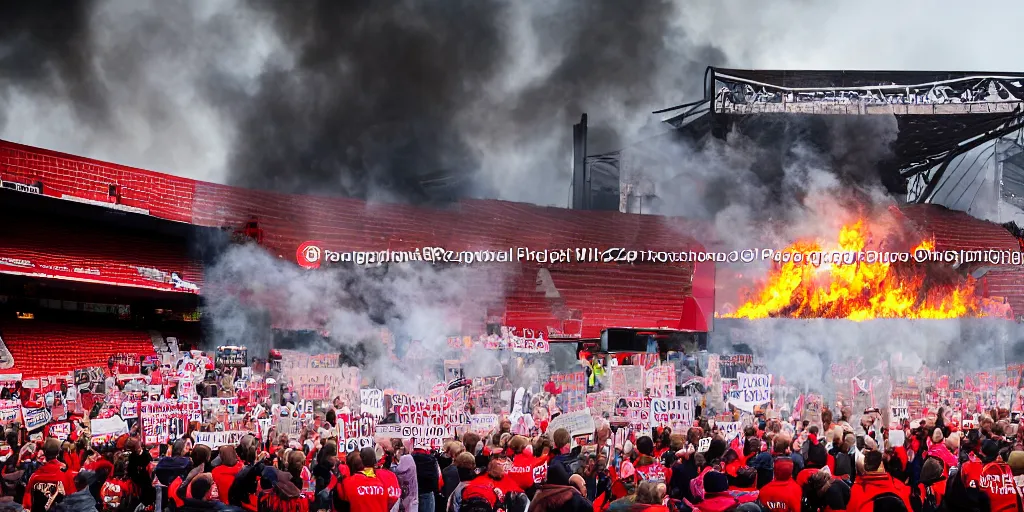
(371,401)
(627,381)
(35,417)
(574,390)
(576,423)
(61,430)
(236,357)
(9,411)
(106,429)
(661,381)
(217,439)
(483,424)
(675,413)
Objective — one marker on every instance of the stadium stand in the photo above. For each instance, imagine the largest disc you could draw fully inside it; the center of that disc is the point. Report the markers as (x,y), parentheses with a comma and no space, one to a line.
(48,248)
(44,349)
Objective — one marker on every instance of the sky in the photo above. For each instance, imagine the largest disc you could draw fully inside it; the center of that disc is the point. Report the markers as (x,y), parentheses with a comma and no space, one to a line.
(352,99)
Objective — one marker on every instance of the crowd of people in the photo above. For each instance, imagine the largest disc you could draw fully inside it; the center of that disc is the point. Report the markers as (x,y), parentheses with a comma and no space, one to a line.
(932,466)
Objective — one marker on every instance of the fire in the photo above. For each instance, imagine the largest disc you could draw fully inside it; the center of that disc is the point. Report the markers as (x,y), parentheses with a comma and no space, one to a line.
(858,287)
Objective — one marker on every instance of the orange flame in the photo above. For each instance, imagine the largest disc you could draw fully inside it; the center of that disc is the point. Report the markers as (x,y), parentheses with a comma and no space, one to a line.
(858,286)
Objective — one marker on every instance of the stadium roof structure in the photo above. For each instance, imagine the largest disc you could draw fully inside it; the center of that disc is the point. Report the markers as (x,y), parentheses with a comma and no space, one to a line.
(940,114)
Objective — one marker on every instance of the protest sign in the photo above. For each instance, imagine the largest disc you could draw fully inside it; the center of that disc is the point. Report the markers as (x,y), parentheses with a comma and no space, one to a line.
(754,388)
(231,356)
(627,381)
(704,445)
(60,430)
(431,436)
(217,439)
(106,429)
(661,381)
(371,401)
(729,429)
(675,413)
(574,390)
(634,413)
(35,417)
(483,424)
(9,411)
(576,423)
(601,405)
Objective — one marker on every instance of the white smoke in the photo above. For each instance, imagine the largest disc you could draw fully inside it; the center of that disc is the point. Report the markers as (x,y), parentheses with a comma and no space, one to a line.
(414,301)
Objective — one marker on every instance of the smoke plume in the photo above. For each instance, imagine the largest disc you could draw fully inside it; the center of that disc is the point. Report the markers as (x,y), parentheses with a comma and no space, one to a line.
(353,304)
(404,100)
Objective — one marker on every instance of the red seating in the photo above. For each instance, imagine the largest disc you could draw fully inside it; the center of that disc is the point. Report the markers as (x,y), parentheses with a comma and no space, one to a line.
(80,252)
(44,349)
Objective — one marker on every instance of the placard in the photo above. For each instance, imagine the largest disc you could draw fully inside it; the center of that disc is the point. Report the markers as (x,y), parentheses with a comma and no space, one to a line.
(483,424)
(754,388)
(217,439)
(627,381)
(236,357)
(576,423)
(704,445)
(35,417)
(675,413)
(574,390)
(371,401)
(661,381)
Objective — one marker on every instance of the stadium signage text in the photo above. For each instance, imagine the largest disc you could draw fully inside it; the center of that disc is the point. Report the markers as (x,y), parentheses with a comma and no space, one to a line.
(20,187)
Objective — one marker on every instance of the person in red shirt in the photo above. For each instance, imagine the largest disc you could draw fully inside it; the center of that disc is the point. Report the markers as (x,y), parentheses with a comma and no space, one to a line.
(524,471)
(494,485)
(390,480)
(647,467)
(49,484)
(990,477)
(782,494)
(875,482)
(224,473)
(363,489)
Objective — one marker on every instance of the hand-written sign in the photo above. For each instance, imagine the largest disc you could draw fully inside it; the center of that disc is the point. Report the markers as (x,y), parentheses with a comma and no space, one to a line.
(574,390)
(754,388)
(661,381)
(675,413)
(35,417)
(576,423)
(483,424)
(231,356)
(217,439)
(704,445)
(627,381)
(371,401)
(432,436)
(634,412)
(9,411)
(729,429)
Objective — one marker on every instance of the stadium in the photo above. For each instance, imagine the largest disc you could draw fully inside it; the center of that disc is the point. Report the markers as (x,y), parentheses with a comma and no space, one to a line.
(99,259)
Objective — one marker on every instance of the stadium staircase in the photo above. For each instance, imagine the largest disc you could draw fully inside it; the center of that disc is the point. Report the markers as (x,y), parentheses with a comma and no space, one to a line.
(42,349)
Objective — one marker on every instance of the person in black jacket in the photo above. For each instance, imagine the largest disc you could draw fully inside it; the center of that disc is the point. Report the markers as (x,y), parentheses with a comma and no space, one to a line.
(428,476)
(558,494)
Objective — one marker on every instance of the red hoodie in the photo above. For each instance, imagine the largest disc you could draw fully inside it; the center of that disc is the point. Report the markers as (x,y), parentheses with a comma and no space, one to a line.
(781,496)
(995,479)
(872,484)
(526,470)
(366,492)
(224,476)
(489,489)
(50,483)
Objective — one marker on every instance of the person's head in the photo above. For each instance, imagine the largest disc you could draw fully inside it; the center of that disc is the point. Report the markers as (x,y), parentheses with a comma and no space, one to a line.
(331,417)
(781,445)
(51,448)
(355,462)
(201,487)
(783,469)
(465,460)
(953,442)
(178,448)
(817,456)
(645,445)
(749,431)
(561,439)
(328,455)
(201,454)
(470,439)
(517,444)
(541,444)
(296,460)
(496,468)
(369,457)
(647,493)
(826,417)
(247,449)
(506,426)
(228,457)
(751,446)
(873,461)
(813,429)
(937,436)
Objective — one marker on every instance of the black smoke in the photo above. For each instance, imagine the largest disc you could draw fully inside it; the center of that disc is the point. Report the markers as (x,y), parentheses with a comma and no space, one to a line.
(414,100)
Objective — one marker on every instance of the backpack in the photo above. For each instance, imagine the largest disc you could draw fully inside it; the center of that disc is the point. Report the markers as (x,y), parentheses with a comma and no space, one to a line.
(885,502)
(697,485)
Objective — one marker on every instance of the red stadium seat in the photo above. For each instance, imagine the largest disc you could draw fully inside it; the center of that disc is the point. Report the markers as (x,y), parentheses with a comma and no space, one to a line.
(44,349)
